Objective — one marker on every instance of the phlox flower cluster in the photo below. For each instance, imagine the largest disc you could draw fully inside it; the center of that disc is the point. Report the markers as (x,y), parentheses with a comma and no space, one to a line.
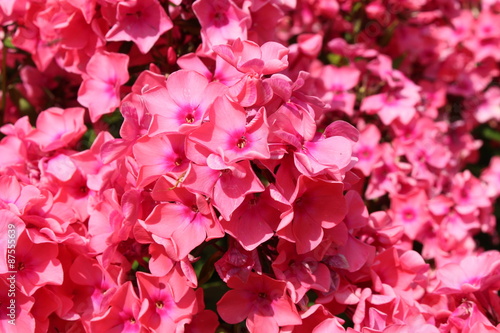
(250,165)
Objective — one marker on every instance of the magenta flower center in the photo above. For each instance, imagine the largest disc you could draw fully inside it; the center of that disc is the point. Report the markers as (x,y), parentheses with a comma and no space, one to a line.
(178,161)
(365,153)
(242,142)
(220,19)
(409,215)
(190,118)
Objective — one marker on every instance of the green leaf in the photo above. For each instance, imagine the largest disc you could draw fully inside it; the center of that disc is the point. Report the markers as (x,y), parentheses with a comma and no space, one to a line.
(491,134)
(7,42)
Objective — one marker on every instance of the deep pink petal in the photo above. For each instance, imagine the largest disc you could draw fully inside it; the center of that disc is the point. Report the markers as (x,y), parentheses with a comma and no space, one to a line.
(235,306)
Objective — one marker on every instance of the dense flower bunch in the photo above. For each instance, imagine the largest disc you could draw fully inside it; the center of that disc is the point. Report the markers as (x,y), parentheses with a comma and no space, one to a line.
(274,166)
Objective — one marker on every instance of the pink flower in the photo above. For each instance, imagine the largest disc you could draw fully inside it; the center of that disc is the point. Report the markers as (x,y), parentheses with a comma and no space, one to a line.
(255,220)
(160,155)
(468,318)
(489,108)
(317,319)
(366,149)
(222,21)
(36,264)
(262,301)
(250,58)
(167,302)
(229,135)
(468,193)
(410,211)
(95,284)
(226,184)
(182,105)
(140,21)
(236,261)
(17,197)
(184,217)
(317,204)
(100,89)
(473,273)
(107,223)
(337,82)
(57,128)
(302,272)
(491,176)
(401,270)
(123,313)
(255,61)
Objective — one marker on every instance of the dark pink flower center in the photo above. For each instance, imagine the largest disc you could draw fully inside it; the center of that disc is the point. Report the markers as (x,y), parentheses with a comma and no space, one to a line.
(242,142)
(409,215)
(464,194)
(220,19)
(365,153)
(190,118)
(159,304)
(178,161)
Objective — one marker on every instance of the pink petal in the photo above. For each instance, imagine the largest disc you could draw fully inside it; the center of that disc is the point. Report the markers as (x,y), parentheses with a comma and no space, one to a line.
(235,306)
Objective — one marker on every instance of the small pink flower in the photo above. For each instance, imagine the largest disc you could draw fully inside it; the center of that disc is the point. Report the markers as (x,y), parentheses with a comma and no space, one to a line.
(472,273)
(262,301)
(100,89)
(36,265)
(160,155)
(184,217)
(318,319)
(229,135)
(366,149)
(337,82)
(181,106)
(411,212)
(490,107)
(123,313)
(316,205)
(250,58)
(302,272)
(140,21)
(226,184)
(222,21)
(468,193)
(167,301)
(57,128)
(255,220)
(254,61)
(238,262)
